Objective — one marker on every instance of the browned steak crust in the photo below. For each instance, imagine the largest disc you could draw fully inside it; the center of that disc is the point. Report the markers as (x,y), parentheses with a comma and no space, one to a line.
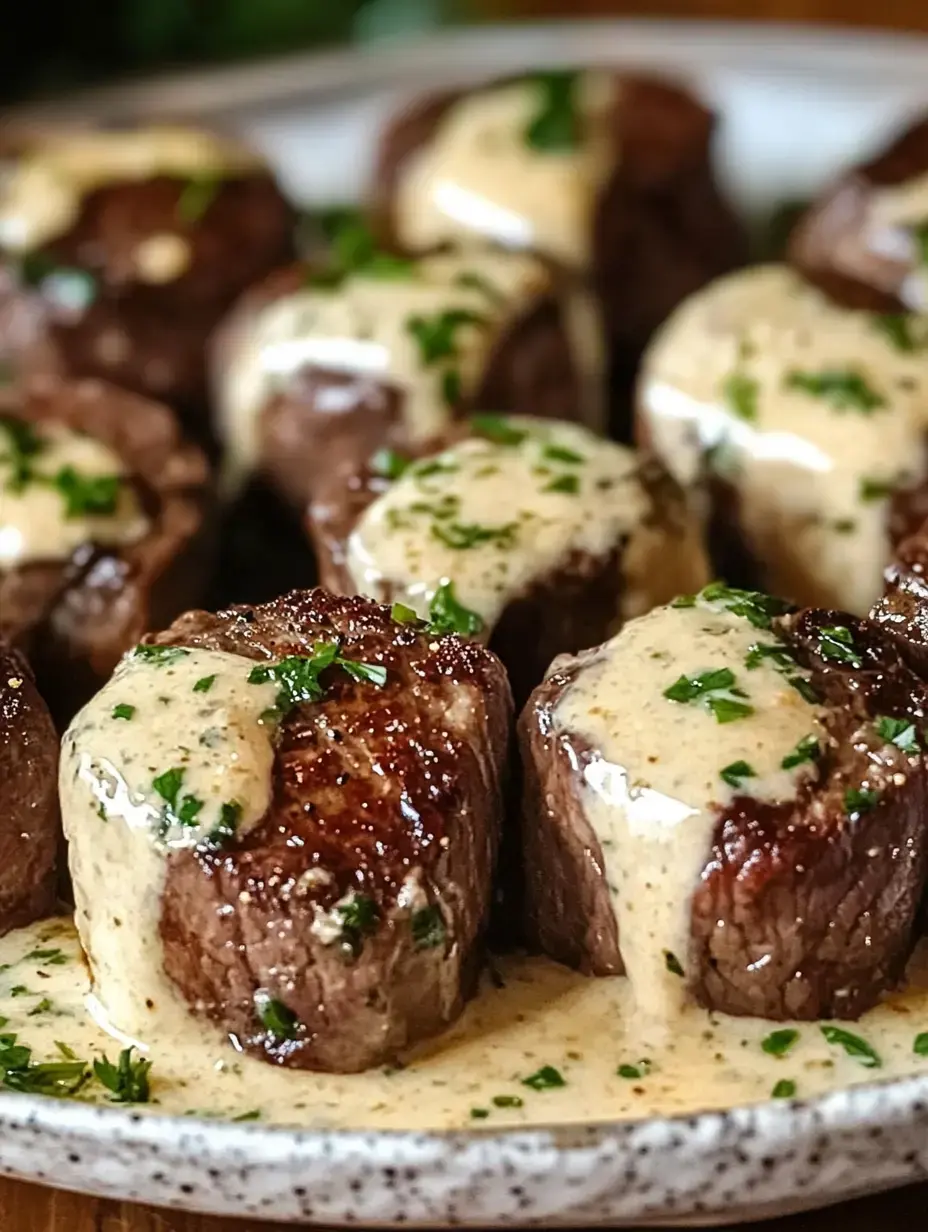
(28,796)
(373,786)
(801,910)
(74,619)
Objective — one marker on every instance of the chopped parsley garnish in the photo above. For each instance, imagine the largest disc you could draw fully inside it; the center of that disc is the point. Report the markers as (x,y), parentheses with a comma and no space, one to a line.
(402,614)
(353,251)
(836,642)
(498,429)
(298,675)
(196,196)
(451,387)
(784,1089)
(842,388)
(683,601)
(555,127)
(672,963)
(545,1079)
(557,453)
(778,1043)
(20,990)
(159,654)
(900,732)
(230,815)
(18,1072)
(740,393)
(183,811)
(276,1017)
(464,535)
(436,336)
(875,489)
(897,328)
(475,281)
(568,484)
(359,917)
(253,1114)
(633,1072)
(204,684)
(853,1045)
(428,928)
(41,1007)
(920,1044)
(168,784)
(780,655)
(860,800)
(757,608)
(736,772)
(123,711)
(808,749)
(507,1101)
(805,688)
(48,958)
(23,444)
(93,495)
(479,1114)
(127,1079)
(446,615)
(709,689)
(389,463)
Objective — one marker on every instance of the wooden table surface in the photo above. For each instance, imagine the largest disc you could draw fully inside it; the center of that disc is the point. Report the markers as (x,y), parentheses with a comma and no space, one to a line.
(25,1208)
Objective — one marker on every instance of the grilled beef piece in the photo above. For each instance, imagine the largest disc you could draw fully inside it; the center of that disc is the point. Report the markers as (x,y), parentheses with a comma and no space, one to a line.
(386,799)
(803,908)
(660,227)
(29,826)
(132,287)
(75,617)
(860,241)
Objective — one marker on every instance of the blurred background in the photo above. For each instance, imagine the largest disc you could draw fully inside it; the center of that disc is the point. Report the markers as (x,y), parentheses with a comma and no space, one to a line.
(56,47)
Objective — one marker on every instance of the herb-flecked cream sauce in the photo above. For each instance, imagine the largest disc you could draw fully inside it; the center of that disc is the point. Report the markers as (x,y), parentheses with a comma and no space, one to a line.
(611,1064)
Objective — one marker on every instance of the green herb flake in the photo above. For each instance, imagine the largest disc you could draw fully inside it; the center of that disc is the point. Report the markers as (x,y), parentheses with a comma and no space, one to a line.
(707,688)
(41,1007)
(853,1045)
(18,1072)
(807,750)
(672,963)
(428,928)
(871,490)
(204,684)
(784,1089)
(498,429)
(900,732)
(568,484)
(736,772)
(545,1079)
(123,711)
(779,654)
(841,387)
(436,336)
(447,615)
(754,606)
(451,388)
(920,1044)
(860,800)
(87,495)
(778,1043)
(389,464)
(276,1018)
(507,1101)
(47,958)
(896,327)
(20,990)
(740,393)
(168,785)
(402,614)
(253,1114)
(298,676)
(836,642)
(479,1114)
(196,197)
(633,1073)
(127,1079)
(558,453)
(555,127)
(360,916)
(159,654)
(462,536)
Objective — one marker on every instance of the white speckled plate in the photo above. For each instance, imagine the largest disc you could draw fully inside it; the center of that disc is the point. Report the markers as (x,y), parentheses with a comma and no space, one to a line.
(796,104)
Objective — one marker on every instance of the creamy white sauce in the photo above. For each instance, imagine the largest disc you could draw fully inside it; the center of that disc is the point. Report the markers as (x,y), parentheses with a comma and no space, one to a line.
(544,1015)
(38,519)
(654,782)
(807,474)
(41,194)
(363,327)
(494,518)
(478,177)
(195,713)
(894,212)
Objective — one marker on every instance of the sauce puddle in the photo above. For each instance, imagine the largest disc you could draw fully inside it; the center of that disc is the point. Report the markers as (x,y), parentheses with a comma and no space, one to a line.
(612,1066)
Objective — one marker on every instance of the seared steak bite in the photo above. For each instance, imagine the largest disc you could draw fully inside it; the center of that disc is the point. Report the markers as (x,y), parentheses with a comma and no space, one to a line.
(101,527)
(863,240)
(28,799)
(323,787)
(320,366)
(798,426)
(536,535)
(607,175)
(727,803)
(122,249)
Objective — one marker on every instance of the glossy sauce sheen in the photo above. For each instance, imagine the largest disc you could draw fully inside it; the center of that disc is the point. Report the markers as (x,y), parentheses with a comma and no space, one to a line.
(543,1015)
(810,477)
(653,788)
(116,821)
(479,177)
(41,196)
(34,521)
(510,499)
(363,327)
